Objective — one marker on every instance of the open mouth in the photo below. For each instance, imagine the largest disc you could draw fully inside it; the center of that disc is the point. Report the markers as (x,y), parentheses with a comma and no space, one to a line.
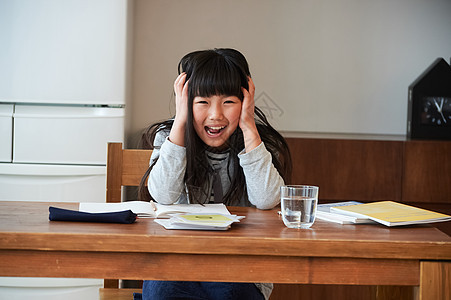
(214,130)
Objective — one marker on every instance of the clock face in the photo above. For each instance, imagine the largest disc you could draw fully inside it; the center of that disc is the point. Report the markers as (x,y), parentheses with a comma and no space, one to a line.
(436,111)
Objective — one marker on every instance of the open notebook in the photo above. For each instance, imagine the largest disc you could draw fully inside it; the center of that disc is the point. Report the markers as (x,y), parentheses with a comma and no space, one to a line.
(153,209)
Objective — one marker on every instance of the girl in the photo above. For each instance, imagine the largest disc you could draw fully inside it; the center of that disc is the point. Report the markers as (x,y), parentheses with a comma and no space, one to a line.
(219,147)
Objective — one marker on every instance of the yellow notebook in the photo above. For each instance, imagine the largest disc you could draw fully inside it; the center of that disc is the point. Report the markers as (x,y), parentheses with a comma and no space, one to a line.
(392,213)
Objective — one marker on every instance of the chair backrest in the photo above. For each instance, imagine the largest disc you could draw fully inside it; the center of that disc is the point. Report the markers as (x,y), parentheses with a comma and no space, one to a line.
(125,167)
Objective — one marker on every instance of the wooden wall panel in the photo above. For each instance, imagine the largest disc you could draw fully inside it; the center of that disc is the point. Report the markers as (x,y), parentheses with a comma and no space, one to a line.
(427,172)
(362,170)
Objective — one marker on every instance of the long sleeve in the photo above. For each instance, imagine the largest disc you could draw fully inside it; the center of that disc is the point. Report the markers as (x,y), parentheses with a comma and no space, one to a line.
(263,181)
(165,181)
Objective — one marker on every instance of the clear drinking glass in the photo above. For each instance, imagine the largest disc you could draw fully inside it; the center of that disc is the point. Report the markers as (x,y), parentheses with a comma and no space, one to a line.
(298,204)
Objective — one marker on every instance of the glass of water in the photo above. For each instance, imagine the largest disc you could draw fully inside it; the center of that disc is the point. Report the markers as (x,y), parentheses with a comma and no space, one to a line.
(298,204)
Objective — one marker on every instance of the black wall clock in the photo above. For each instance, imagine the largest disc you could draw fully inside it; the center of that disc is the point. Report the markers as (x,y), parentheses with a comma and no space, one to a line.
(429,103)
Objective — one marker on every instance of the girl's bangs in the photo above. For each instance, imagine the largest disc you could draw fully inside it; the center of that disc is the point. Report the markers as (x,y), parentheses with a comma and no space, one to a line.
(217,80)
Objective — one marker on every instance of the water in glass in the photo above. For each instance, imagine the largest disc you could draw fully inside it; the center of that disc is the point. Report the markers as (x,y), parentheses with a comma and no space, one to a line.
(298,211)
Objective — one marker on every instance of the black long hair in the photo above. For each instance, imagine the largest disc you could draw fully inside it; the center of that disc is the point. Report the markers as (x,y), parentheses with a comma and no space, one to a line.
(218,72)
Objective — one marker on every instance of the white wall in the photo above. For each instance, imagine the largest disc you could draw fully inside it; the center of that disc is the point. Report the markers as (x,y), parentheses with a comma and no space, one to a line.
(325,66)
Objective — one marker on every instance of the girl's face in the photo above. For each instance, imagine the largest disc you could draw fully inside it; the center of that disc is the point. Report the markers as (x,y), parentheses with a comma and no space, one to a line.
(216,118)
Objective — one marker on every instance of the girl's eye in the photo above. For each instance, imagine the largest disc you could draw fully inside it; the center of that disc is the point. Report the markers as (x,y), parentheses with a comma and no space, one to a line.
(201,102)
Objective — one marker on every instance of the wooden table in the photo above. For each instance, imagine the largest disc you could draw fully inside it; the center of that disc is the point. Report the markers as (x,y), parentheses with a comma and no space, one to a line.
(259,249)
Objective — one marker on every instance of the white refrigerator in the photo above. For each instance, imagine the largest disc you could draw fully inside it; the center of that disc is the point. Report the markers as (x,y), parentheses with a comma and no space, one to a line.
(62,99)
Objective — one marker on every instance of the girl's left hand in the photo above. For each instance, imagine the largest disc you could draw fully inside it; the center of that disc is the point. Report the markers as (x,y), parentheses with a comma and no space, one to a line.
(248,106)
(247,121)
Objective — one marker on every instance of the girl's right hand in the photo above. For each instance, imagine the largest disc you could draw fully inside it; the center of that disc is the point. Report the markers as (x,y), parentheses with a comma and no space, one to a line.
(181,98)
(177,134)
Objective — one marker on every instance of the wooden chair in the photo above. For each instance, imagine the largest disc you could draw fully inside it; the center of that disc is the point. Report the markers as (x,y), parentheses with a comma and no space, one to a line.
(117,294)
(125,167)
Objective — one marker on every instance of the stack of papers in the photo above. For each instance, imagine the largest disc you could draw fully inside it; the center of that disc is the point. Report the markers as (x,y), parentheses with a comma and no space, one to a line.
(324,212)
(195,221)
(388,213)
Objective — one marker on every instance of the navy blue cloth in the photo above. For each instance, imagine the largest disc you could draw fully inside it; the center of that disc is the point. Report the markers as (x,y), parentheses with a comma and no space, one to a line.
(60,214)
(137,296)
(175,290)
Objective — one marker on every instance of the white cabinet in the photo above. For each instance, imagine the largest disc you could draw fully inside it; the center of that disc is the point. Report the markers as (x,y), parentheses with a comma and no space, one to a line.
(13,288)
(54,183)
(65,134)
(58,152)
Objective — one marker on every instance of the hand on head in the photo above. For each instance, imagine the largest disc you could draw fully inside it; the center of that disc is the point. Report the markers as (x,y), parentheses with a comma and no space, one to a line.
(247,122)
(177,134)
(247,109)
(181,98)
